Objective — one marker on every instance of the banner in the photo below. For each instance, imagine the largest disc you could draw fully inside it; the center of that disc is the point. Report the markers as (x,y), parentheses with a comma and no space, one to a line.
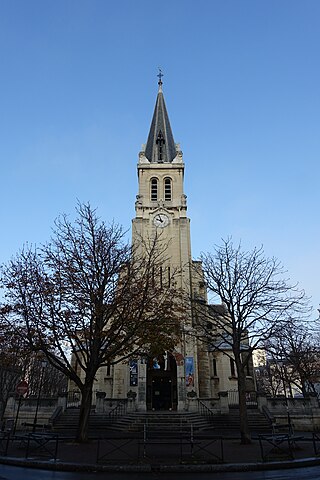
(189,371)
(133,373)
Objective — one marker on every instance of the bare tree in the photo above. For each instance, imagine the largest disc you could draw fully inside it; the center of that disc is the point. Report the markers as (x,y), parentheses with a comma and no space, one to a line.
(86,293)
(18,362)
(295,359)
(13,355)
(54,382)
(256,302)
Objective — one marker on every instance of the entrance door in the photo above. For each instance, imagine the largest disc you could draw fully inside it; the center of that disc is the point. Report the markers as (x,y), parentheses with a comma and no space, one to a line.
(161,393)
(162,383)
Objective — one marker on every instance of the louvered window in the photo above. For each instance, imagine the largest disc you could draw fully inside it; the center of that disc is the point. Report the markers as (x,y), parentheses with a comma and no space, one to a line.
(154,189)
(167,189)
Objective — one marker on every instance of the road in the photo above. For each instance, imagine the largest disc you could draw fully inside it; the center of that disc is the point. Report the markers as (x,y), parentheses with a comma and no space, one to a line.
(17,473)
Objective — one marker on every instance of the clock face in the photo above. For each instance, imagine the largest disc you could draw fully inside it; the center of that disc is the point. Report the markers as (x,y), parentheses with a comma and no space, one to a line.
(161,220)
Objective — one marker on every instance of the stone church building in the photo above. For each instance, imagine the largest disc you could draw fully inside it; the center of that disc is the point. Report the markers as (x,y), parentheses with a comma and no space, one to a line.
(177,379)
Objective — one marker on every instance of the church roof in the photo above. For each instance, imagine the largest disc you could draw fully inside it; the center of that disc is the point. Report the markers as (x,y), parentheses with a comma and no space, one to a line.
(160,145)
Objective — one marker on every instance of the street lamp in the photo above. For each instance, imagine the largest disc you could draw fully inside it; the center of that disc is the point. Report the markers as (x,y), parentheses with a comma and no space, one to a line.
(43,366)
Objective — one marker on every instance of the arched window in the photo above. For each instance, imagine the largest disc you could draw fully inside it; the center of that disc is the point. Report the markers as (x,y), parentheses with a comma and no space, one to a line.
(232,368)
(214,367)
(154,189)
(167,189)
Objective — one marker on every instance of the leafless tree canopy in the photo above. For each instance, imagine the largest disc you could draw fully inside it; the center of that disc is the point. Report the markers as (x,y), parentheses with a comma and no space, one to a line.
(256,302)
(256,297)
(293,361)
(13,353)
(87,293)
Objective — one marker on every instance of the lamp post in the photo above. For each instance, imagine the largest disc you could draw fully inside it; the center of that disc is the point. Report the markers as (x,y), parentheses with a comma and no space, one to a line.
(43,366)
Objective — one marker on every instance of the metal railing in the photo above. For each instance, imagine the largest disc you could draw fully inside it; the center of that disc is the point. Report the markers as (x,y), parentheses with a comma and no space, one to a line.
(156,446)
(251,399)
(119,410)
(56,414)
(4,443)
(184,445)
(205,410)
(43,445)
(120,449)
(316,442)
(73,399)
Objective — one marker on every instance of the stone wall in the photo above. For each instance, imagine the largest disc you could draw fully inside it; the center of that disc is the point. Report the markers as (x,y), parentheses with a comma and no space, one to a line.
(26,412)
(301,413)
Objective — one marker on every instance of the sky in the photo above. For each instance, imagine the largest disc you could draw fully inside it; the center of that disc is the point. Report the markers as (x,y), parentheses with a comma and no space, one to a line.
(241,84)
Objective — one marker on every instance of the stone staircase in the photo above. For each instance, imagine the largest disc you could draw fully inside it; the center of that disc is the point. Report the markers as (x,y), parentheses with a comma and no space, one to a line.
(133,423)
(67,423)
(229,423)
(158,423)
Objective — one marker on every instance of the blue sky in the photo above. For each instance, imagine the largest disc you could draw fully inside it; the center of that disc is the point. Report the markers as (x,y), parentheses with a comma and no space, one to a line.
(241,84)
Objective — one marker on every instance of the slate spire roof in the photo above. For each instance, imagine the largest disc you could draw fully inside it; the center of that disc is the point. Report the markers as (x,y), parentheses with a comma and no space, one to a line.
(160,145)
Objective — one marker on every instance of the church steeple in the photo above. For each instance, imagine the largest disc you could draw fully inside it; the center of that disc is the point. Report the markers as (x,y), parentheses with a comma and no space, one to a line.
(160,147)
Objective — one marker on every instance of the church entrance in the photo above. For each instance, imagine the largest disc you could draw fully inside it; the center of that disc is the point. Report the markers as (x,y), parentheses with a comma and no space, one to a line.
(162,383)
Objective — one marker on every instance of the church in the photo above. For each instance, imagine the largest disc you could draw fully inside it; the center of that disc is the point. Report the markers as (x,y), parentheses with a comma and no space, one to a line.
(192,371)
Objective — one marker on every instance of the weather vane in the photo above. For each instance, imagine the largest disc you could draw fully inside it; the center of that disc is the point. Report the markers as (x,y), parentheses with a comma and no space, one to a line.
(160,75)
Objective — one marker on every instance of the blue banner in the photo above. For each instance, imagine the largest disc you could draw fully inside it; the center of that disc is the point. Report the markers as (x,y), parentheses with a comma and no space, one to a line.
(189,371)
(133,373)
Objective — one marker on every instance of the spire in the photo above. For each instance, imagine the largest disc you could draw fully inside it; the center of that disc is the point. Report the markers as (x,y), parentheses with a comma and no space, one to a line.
(160,145)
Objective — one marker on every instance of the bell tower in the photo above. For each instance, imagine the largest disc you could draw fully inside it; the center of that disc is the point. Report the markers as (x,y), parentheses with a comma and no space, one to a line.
(161,212)
(161,204)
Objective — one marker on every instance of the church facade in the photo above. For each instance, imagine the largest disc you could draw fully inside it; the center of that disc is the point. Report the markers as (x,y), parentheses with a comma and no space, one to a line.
(176,379)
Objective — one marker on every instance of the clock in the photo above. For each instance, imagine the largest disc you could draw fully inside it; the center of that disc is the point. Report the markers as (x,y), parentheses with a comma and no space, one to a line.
(161,220)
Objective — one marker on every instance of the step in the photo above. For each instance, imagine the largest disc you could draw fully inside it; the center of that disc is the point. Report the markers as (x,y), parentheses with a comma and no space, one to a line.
(161,422)
(133,422)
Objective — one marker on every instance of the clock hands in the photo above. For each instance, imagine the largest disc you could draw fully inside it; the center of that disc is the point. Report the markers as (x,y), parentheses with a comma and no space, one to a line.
(161,220)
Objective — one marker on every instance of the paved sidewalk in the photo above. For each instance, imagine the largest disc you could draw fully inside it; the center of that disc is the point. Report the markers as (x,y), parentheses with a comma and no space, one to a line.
(127,454)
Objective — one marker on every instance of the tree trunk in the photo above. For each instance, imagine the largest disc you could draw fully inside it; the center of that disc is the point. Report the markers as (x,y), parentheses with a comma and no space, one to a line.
(3,404)
(85,408)
(303,382)
(244,425)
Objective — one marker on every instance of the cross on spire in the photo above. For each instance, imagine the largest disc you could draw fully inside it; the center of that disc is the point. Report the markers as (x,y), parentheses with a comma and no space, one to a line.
(160,146)
(160,75)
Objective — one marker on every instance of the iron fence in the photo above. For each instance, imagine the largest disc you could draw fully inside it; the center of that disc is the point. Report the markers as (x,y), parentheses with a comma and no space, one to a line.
(251,399)
(73,399)
(316,442)
(36,445)
(119,410)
